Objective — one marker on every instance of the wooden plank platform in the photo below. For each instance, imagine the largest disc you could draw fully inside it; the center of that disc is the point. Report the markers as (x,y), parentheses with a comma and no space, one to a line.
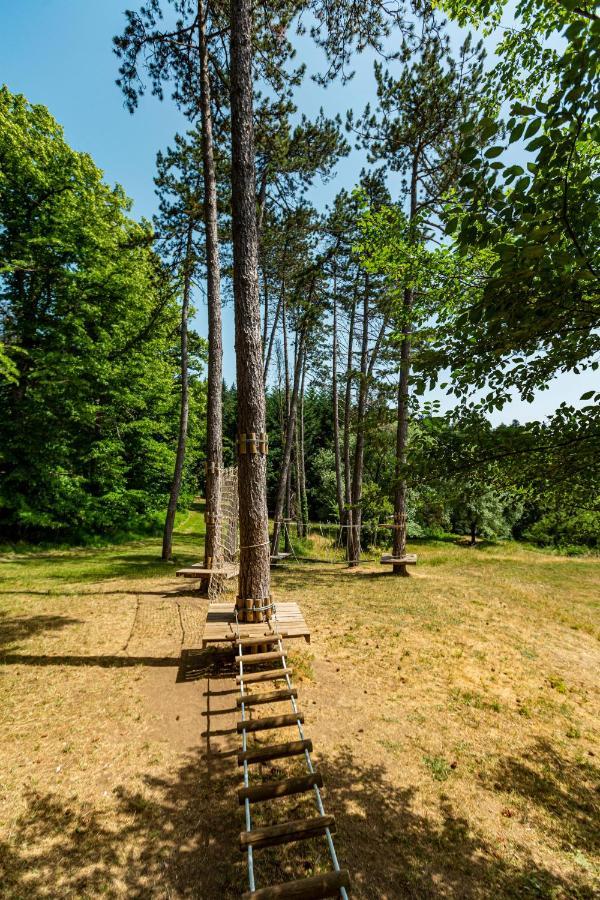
(409,560)
(220,624)
(198,571)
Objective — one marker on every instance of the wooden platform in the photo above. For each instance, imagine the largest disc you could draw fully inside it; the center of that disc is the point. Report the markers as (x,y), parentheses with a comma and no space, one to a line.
(220,624)
(409,560)
(198,571)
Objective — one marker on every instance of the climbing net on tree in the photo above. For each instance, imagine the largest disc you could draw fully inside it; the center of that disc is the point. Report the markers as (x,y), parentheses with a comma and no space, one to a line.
(226,535)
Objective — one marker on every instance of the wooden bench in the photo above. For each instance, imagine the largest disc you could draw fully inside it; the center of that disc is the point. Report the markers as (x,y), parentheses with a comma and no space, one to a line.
(400,563)
(278,557)
(198,571)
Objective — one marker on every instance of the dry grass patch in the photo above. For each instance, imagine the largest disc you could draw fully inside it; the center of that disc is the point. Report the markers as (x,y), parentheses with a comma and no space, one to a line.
(463,705)
(454,716)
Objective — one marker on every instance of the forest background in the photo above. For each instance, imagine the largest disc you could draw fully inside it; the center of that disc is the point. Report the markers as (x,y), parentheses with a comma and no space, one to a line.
(90,390)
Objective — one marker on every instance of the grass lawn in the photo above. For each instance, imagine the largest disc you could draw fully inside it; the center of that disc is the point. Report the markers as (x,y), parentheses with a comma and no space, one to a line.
(455,716)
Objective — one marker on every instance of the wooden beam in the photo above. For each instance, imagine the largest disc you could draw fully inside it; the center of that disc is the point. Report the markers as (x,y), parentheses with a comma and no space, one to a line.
(268,722)
(283,788)
(255,658)
(317,887)
(269,675)
(267,697)
(286,832)
(274,751)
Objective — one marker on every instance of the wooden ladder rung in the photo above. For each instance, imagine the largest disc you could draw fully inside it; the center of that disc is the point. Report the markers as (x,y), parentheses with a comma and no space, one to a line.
(252,658)
(252,641)
(282,788)
(269,675)
(286,832)
(267,697)
(318,887)
(268,722)
(274,751)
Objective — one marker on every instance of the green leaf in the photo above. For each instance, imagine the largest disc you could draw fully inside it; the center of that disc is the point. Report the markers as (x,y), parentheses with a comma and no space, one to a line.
(493,152)
(532,128)
(536,143)
(517,132)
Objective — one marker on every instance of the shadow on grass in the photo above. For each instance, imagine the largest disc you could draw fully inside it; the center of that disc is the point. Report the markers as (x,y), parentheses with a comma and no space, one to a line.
(567,791)
(177,836)
(174,837)
(19,628)
(191,665)
(394,851)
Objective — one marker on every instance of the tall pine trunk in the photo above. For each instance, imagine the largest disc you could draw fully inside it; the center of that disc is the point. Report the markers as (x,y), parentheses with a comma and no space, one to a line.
(268,348)
(401,487)
(359,449)
(214,409)
(336,413)
(348,518)
(401,490)
(302,467)
(290,429)
(167,546)
(286,367)
(254,578)
(265,315)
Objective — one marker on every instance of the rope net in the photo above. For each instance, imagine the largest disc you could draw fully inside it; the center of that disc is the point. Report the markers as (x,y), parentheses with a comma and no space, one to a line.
(331,540)
(226,535)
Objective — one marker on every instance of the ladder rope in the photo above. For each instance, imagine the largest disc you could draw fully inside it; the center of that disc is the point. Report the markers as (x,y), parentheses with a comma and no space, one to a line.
(307,756)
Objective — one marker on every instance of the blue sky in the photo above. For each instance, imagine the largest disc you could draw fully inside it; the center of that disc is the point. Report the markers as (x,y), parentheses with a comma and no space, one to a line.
(59,53)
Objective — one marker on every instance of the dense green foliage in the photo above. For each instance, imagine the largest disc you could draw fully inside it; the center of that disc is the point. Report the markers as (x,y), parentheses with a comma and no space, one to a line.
(88,319)
(465,261)
(539,310)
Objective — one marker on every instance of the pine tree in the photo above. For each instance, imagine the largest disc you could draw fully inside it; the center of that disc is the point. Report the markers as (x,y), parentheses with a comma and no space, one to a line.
(416,132)
(183,56)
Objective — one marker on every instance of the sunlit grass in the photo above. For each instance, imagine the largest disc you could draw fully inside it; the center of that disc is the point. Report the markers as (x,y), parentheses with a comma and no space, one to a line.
(454,714)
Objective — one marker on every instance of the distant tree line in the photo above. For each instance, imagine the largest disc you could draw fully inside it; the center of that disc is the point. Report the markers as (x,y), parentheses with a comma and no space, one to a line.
(454,490)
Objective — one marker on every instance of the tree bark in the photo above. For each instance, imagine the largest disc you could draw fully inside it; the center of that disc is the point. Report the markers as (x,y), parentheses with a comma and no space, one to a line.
(287,451)
(347,415)
(336,411)
(167,545)
(401,488)
(359,449)
(302,468)
(214,406)
(254,578)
